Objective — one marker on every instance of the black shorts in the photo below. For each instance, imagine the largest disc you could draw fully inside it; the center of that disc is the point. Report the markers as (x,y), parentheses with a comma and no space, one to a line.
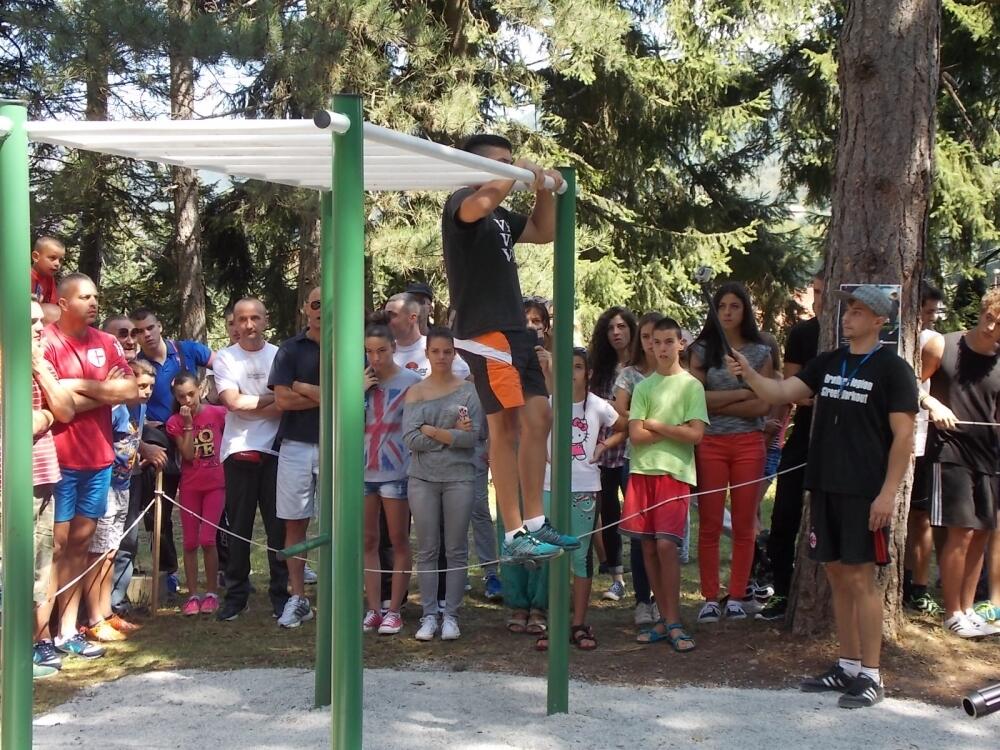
(504,367)
(838,530)
(963,498)
(920,495)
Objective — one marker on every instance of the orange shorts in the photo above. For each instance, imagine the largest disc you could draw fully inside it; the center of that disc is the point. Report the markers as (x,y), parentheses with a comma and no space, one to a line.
(504,367)
(655,519)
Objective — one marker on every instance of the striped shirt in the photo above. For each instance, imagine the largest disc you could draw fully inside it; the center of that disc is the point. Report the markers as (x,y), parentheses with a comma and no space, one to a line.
(44,464)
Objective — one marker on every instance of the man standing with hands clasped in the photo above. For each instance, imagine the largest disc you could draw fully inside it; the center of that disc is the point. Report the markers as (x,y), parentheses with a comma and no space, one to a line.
(862,439)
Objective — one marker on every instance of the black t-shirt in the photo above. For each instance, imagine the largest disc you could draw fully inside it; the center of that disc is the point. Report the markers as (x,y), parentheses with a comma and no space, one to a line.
(849,449)
(800,349)
(297,359)
(482,270)
(968,383)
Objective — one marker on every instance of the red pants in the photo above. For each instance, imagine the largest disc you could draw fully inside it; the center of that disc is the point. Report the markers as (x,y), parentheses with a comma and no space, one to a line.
(725,460)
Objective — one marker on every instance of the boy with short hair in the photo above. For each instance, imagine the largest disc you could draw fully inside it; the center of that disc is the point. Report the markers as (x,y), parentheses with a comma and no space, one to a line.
(46,260)
(667,419)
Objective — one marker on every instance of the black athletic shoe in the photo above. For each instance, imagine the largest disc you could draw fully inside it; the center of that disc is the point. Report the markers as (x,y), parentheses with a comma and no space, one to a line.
(775,609)
(230,610)
(833,679)
(862,693)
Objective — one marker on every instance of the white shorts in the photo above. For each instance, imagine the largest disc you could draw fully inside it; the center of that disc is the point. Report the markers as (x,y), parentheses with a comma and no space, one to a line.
(298,476)
(110,527)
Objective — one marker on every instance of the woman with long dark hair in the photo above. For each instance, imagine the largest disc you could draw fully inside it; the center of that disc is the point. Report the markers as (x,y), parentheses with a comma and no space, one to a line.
(610,349)
(732,451)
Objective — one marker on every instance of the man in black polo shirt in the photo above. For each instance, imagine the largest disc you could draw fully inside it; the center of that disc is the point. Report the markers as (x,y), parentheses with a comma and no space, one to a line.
(862,439)
(295,381)
(479,235)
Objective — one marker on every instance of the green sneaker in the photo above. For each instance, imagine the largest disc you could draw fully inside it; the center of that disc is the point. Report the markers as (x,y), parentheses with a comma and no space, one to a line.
(987,610)
(525,549)
(925,603)
(39,672)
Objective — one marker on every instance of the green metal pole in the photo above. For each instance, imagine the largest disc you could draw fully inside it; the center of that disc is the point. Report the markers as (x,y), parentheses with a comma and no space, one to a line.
(348,423)
(15,372)
(565,260)
(324,593)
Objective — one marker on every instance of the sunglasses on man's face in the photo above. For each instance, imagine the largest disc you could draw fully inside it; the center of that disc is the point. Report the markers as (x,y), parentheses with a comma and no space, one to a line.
(125,333)
(315,304)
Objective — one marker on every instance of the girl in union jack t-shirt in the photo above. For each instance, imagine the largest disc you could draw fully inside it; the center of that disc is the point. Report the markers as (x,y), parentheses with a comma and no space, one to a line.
(386,462)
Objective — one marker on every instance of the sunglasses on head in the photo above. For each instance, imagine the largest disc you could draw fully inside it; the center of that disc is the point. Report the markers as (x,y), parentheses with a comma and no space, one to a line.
(315,304)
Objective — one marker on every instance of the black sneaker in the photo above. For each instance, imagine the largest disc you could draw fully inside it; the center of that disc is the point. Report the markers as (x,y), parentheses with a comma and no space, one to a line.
(835,678)
(230,610)
(862,693)
(775,609)
(45,655)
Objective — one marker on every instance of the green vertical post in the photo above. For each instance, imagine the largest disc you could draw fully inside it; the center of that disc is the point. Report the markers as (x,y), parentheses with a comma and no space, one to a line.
(562,401)
(348,423)
(324,593)
(15,372)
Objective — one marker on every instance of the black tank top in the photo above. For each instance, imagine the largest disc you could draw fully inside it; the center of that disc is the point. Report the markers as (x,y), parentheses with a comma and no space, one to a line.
(969,384)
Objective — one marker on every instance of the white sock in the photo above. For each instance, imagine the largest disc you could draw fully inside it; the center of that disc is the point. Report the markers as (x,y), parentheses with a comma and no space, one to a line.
(872,672)
(534,524)
(851,666)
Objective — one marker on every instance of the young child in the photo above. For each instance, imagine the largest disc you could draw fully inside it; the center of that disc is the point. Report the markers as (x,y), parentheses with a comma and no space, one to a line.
(197,429)
(126,424)
(667,419)
(590,415)
(46,259)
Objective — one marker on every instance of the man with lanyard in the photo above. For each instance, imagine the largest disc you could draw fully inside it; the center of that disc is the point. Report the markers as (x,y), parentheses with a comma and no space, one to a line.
(491,332)
(92,366)
(294,379)
(862,439)
(965,457)
(168,358)
(801,347)
(249,459)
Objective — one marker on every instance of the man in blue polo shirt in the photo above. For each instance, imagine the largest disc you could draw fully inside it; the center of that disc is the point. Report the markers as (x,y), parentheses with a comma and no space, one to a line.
(168,357)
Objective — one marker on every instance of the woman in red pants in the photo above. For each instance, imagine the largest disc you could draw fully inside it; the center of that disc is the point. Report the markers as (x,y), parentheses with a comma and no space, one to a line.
(732,451)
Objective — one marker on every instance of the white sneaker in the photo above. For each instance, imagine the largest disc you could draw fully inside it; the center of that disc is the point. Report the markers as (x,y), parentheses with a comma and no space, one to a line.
(449,629)
(296,612)
(643,614)
(960,625)
(309,576)
(428,628)
(978,621)
(710,612)
(654,611)
(751,606)
(735,611)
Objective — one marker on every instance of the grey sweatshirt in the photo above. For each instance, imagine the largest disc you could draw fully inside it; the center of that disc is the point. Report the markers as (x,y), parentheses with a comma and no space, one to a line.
(436,462)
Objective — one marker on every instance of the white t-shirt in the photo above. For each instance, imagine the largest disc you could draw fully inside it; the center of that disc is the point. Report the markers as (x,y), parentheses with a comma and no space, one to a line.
(414,357)
(247,372)
(585,476)
(920,439)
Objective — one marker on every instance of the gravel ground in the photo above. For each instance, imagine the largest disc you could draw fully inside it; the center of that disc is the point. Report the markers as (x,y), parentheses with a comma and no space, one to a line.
(271,709)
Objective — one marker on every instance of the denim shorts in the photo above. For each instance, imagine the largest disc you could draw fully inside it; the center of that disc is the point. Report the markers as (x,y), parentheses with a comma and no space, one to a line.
(395,490)
(82,492)
(772,461)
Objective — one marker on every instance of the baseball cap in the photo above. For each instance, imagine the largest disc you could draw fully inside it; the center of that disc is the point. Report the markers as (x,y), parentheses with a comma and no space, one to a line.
(874,298)
(419,287)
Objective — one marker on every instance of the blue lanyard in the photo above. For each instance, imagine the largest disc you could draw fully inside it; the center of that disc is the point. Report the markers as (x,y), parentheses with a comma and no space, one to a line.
(844,377)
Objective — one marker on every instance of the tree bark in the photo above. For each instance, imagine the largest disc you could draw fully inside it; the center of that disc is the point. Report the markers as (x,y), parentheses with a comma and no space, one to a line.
(187,219)
(308,276)
(888,79)
(96,210)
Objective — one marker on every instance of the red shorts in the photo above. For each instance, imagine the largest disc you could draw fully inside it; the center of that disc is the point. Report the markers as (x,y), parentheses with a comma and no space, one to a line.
(667,520)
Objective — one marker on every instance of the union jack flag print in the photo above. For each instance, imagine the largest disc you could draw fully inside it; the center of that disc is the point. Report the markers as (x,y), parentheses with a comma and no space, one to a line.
(384,449)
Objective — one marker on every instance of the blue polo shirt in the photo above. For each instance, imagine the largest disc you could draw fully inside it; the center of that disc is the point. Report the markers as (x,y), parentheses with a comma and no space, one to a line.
(192,355)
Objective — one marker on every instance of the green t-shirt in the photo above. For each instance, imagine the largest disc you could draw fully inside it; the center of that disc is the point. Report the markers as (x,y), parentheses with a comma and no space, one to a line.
(674,400)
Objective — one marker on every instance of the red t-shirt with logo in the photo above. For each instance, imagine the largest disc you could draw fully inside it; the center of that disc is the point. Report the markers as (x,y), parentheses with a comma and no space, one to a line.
(86,443)
(43,286)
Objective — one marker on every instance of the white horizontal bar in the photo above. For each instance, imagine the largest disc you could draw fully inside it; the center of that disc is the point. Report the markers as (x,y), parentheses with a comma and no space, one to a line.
(69,129)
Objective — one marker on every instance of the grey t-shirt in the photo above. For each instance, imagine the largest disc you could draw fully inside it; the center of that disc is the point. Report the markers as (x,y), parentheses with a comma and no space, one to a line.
(719,379)
(436,462)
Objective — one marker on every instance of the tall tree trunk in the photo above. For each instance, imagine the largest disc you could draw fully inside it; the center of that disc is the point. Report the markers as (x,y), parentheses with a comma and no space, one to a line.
(309,240)
(888,79)
(95,219)
(187,221)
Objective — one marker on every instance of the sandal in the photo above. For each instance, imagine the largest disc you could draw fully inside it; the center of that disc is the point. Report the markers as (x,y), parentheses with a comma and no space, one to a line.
(542,643)
(654,636)
(517,623)
(537,623)
(582,636)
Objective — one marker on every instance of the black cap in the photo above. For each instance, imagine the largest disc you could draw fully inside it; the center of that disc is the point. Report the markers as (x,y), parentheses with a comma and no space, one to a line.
(419,287)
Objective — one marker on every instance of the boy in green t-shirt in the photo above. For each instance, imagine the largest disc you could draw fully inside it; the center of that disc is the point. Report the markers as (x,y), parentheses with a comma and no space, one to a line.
(666,420)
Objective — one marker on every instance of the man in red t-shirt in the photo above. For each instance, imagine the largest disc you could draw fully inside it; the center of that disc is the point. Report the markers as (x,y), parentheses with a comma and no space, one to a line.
(50,403)
(92,365)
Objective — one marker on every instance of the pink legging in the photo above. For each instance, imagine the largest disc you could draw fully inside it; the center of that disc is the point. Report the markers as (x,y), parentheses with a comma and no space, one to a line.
(209,505)
(725,460)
